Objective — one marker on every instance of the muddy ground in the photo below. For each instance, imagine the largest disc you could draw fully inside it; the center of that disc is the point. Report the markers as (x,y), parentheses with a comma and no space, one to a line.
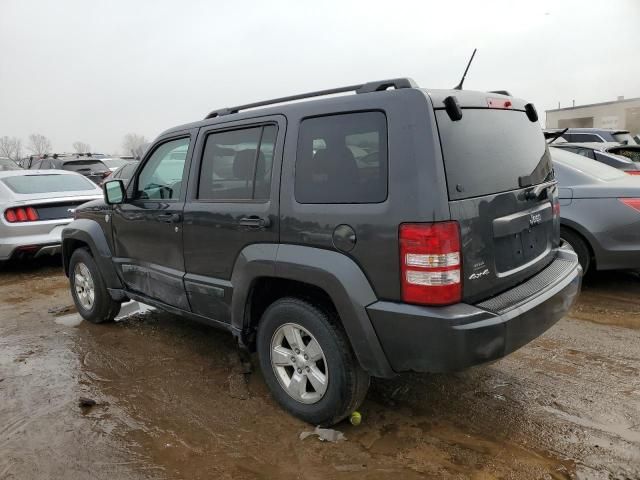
(172,401)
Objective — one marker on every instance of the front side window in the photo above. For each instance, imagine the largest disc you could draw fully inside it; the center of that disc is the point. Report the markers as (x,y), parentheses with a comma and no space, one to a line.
(342,159)
(162,175)
(237,164)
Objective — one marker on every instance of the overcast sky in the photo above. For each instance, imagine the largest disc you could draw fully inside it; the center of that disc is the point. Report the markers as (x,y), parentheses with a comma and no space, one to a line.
(96,70)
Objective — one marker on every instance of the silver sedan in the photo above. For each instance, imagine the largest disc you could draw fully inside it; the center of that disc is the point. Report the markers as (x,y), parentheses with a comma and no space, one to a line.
(35,205)
(599,212)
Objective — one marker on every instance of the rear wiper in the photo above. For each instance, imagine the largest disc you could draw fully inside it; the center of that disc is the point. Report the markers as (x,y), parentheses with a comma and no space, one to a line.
(557,135)
(541,173)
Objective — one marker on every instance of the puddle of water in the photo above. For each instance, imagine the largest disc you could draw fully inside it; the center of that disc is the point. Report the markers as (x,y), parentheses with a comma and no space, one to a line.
(612,429)
(127,309)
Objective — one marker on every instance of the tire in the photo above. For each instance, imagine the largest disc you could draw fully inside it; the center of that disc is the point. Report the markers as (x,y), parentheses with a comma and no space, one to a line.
(579,246)
(84,275)
(346,382)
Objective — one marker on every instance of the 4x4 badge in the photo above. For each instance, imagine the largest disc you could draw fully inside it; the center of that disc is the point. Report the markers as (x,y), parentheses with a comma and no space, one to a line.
(535,219)
(475,276)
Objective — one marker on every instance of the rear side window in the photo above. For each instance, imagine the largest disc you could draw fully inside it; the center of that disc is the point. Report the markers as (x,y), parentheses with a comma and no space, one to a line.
(585,152)
(585,137)
(236,164)
(489,150)
(342,159)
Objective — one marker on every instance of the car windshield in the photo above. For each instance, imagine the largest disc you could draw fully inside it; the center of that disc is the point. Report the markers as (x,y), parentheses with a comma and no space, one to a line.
(114,162)
(81,166)
(624,137)
(26,184)
(7,164)
(585,165)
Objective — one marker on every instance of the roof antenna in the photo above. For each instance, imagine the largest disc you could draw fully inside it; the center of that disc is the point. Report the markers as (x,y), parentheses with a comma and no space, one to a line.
(459,87)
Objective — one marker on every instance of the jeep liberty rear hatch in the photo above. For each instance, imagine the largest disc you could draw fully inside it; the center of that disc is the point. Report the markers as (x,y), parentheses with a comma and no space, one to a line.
(501,191)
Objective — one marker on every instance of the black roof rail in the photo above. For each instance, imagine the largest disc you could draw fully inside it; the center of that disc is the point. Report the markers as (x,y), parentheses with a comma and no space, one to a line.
(369,87)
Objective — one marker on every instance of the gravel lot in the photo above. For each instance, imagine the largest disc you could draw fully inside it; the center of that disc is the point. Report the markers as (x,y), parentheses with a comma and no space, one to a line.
(173,401)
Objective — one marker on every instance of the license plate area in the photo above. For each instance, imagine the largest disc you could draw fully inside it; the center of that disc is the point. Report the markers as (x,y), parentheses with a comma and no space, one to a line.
(522,237)
(519,249)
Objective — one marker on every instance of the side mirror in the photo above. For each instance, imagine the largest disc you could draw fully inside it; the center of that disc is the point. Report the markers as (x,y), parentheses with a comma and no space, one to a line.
(114,192)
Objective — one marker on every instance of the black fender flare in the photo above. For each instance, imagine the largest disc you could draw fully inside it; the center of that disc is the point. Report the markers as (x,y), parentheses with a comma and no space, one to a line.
(335,273)
(90,233)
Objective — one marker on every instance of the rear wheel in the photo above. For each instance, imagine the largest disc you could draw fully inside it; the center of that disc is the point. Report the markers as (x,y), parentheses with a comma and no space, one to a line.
(308,364)
(88,290)
(580,246)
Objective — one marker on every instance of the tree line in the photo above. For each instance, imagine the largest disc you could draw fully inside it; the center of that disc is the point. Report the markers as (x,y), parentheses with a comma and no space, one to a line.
(38,145)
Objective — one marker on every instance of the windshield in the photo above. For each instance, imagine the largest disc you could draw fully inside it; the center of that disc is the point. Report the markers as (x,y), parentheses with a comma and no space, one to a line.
(85,166)
(624,137)
(585,165)
(490,151)
(26,184)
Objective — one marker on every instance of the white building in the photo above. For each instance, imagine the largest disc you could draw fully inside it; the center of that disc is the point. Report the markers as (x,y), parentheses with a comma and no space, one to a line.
(622,114)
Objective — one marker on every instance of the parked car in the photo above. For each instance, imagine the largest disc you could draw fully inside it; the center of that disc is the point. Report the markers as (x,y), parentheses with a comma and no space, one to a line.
(35,206)
(594,135)
(8,164)
(124,173)
(599,211)
(333,269)
(612,154)
(94,169)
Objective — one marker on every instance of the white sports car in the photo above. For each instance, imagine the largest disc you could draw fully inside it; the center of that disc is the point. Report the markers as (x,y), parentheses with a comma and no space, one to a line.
(35,205)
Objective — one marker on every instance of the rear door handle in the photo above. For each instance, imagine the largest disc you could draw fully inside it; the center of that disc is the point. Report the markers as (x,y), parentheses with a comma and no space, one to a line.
(169,217)
(255,222)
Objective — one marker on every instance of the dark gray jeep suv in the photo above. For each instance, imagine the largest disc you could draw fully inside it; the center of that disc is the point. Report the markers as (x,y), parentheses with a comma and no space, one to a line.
(385,231)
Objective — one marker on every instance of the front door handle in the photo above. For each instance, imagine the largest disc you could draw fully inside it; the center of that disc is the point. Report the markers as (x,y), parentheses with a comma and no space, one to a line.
(169,217)
(255,222)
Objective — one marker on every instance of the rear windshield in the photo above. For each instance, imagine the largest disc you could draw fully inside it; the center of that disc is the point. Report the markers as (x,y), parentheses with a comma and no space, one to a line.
(114,162)
(85,166)
(624,137)
(26,184)
(487,151)
(585,165)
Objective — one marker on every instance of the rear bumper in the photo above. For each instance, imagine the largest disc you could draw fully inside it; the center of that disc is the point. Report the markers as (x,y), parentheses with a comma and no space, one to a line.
(45,241)
(444,339)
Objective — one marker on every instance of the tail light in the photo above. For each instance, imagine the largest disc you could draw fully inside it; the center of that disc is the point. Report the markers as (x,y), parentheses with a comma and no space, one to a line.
(631,202)
(632,172)
(430,263)
(21,214)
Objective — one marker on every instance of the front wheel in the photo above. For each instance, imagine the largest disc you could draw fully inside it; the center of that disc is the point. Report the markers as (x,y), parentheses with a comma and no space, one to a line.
(89,293)
(308,363)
